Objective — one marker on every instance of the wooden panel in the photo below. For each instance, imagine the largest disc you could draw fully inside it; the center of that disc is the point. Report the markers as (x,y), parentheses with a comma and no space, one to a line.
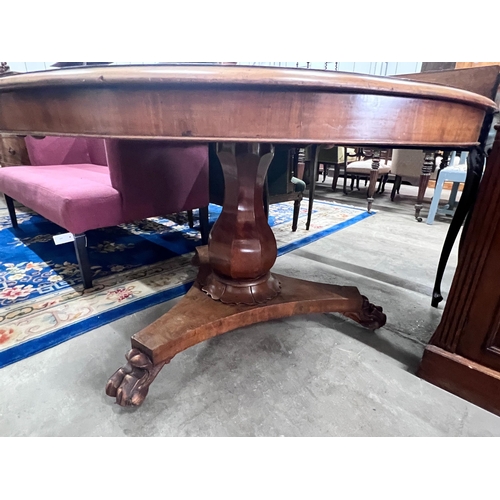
(437,66)
(462,377)
(472,307)
(13,151)
(492,343)
(480,80)
(463,356)
(460,65)
(241,115)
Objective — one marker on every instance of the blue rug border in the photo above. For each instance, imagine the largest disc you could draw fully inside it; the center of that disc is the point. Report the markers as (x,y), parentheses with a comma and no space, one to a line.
(35,346)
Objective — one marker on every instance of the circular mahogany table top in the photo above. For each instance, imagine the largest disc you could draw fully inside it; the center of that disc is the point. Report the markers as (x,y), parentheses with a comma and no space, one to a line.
(237,103)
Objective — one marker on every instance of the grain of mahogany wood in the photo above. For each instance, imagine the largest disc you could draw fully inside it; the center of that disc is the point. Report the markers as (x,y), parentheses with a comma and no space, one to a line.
(227,103)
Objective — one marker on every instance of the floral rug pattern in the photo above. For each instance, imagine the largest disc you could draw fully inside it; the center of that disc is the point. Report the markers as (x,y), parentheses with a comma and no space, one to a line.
(42,301)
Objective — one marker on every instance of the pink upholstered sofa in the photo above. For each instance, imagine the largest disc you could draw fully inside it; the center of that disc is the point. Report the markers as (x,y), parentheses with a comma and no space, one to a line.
(89,183)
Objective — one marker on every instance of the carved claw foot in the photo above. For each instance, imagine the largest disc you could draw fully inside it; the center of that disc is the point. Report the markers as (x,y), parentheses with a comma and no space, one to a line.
(130,384)
(370,316)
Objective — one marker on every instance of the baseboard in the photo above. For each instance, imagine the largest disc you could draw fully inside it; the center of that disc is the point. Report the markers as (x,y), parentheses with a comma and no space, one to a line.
(460,376)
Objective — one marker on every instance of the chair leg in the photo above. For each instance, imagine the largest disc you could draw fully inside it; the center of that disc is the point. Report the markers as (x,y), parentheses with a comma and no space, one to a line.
(475,164)
(396,187)
(453,196)
(296,212)
(190,218)
(336,174)
(435,200)
(373,178)
(204,230)
(385,178)
(83,259)
(12,211)
(424,181)
(344,189)
(312,186)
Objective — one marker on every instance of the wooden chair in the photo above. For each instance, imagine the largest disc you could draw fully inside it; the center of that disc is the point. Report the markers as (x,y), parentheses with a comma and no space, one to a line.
(281,184)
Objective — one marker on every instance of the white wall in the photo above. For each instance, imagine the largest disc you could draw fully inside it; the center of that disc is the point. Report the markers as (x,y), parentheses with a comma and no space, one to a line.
(370,68)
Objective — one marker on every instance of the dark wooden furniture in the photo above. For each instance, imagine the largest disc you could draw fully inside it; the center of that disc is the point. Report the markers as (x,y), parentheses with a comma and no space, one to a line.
(281,183)
(463,355)
(245,110)
(482,80)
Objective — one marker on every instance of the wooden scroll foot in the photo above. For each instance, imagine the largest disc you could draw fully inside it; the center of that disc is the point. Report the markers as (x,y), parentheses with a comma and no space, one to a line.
(370,316)
(130,384)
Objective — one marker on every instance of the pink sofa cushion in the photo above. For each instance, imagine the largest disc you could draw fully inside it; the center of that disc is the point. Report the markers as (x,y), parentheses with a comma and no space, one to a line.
(76,197)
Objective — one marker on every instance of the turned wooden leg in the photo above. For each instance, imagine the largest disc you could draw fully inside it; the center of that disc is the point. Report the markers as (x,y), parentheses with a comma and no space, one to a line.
(424,181)
(373,177)
(312,185)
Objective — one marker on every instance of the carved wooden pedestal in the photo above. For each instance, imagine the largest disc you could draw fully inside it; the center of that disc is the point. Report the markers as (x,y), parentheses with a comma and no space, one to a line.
(197,317)
(234,287)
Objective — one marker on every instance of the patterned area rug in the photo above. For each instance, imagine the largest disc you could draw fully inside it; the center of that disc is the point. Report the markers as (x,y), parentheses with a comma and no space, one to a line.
(135,266)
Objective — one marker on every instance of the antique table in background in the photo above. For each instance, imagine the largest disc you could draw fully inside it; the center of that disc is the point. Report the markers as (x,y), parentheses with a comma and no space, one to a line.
(245,110)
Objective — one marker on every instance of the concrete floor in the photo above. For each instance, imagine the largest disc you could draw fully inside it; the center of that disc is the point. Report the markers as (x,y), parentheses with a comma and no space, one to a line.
(319,375)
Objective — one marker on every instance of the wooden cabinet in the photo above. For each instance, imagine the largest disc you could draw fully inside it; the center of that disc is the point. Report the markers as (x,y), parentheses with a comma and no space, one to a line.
(463,356)
(13,151)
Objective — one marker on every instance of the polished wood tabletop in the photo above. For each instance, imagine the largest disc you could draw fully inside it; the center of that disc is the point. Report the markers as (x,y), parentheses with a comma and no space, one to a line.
(238,103)
(245,110)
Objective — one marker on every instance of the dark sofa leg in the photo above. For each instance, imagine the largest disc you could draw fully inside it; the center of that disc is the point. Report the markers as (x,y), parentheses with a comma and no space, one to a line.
(83,259)
(204,225)
(12,210)
(190,218)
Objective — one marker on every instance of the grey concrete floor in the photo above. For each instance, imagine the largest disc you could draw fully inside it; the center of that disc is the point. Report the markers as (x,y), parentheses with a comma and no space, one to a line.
(317,375)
